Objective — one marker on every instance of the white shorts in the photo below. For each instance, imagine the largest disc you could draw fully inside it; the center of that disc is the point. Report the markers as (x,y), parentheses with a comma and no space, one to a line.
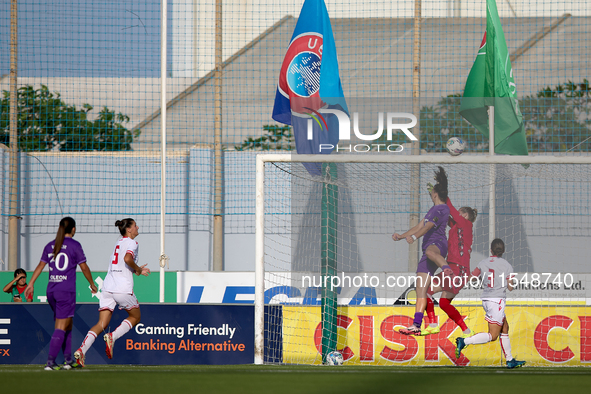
(110,300)
(495,310)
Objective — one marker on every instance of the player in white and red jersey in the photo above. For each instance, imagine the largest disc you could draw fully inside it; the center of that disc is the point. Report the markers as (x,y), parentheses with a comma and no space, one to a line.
(497,277)
(118,290)
(458,258)
(119,277)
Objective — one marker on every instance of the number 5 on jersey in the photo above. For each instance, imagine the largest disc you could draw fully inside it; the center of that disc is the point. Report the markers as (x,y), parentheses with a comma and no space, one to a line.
(116,255)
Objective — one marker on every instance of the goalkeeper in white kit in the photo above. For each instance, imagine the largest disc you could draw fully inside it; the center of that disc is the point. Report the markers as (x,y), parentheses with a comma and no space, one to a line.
(497,277)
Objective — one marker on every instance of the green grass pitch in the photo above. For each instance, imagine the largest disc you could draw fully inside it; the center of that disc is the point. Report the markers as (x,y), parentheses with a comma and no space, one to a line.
(291,379)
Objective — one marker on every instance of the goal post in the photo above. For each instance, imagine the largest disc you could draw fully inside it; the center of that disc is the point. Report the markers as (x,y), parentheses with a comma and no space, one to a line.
(543,203)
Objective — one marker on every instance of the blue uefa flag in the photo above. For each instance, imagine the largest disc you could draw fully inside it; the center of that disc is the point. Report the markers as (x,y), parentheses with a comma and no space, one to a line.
(309,83)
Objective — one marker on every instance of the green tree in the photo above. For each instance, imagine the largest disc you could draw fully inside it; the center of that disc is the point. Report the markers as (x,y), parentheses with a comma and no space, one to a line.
(46,122)
(277,138)
(555,120)
(559,119)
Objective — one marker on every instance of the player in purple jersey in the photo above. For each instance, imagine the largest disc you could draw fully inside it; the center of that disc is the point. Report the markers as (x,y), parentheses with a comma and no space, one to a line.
(432,229)
(63,255)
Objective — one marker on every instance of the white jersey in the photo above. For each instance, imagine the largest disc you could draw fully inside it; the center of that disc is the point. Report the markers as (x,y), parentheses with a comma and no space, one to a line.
(495,272)
(120,276)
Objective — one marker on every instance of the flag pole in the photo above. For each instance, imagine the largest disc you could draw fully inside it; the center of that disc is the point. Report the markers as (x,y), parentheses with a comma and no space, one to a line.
(492,176)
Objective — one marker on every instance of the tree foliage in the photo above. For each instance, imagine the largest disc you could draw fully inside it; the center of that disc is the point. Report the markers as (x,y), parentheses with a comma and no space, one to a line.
(47,123)
(555,120)
(559,119)
(277,138)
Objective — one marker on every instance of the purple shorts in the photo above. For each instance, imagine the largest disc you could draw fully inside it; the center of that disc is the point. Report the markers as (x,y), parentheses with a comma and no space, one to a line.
(63,304)
(428,266)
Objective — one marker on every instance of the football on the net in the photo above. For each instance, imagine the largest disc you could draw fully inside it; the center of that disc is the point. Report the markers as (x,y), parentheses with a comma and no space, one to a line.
(455,146)
(334,358)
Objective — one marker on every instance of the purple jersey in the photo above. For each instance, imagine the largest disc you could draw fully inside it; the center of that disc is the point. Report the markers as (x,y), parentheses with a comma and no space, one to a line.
(62,270)
(438,215)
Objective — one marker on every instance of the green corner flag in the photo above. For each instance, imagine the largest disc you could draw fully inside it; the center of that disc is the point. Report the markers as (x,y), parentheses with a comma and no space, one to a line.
(491,83)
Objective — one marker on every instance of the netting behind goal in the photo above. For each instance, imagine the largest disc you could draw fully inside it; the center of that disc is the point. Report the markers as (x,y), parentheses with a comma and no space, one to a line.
(335,279)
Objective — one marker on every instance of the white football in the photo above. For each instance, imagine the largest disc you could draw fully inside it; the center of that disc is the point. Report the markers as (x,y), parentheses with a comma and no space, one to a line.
(455,146)
(334,358)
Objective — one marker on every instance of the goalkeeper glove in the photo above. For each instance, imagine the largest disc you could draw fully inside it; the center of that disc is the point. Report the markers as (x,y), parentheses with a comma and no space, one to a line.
(430,187)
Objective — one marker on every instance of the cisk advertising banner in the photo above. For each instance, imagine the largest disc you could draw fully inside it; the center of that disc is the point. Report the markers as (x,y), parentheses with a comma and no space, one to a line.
(166,335)
(540,335)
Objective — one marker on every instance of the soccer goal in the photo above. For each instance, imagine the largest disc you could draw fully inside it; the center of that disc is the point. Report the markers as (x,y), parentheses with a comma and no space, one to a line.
(329,277)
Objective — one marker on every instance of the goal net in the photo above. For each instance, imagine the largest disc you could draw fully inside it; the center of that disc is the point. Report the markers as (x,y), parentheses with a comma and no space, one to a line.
(330,277)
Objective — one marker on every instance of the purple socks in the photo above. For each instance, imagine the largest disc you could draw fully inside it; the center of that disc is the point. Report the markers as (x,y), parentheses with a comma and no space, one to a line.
(57,339)
(418,320)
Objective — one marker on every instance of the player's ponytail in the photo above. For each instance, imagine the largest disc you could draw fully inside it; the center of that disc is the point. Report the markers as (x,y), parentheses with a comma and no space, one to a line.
(67,225)
(441,187)
(497,247)
(124,224)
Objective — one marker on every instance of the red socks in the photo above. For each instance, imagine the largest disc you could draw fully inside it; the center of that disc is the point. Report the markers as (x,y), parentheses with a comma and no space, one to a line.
(430,310)
(451,311)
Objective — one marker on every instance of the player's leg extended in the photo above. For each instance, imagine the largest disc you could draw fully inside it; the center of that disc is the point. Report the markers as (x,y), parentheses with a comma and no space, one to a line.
(495,318)
(103,322)
(478,339)
(438,285)
(133,318)
(451,311)
(130,304)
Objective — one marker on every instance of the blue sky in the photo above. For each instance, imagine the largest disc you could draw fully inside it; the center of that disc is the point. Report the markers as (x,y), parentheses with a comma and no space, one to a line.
(75,38)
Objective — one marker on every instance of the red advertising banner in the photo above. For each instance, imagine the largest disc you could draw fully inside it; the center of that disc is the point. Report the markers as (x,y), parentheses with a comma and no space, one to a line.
(541,335)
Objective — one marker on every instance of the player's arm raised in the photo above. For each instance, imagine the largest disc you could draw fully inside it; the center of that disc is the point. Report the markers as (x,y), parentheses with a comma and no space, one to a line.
(143,270)
(453,212)
(409,233)
(8,287)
